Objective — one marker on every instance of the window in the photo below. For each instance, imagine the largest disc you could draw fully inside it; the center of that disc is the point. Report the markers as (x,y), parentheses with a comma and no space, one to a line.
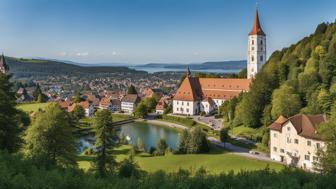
(288,140)
(252,58)
(274,149)
(296,141)
(307,157)
(182,103)
(252,48)
(188,110)
(187,103)
(282,150)
(261,58)
(261,42)
(252,42)
(177,109)
(308,143)
(288,128)
(318,145)
(275,135)
(177,102)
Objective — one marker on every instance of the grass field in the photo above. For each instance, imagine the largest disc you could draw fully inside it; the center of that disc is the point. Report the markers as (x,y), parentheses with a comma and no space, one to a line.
(120,117)
(31,107)
(216,161)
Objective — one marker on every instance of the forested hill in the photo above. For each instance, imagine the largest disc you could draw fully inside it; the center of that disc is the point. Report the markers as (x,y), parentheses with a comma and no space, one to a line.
(30,67)
(297,79)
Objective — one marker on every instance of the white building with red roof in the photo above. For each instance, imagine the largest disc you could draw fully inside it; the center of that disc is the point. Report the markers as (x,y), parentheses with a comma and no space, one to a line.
(295,140)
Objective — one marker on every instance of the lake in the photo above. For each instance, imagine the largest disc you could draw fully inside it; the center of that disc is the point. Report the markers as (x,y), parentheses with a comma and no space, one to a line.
(148,133)
(158,69)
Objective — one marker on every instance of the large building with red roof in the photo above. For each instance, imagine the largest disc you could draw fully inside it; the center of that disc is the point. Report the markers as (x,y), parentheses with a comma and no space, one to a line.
(196,95)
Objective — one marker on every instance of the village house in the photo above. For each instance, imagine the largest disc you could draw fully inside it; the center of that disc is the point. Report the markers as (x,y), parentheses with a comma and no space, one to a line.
(86,105)
(129,102)
(149,92)
(164,102)
(295,140)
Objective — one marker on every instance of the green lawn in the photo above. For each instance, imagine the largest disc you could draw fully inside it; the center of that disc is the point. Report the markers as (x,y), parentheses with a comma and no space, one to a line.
(120,117)
(31,107)
(215,162)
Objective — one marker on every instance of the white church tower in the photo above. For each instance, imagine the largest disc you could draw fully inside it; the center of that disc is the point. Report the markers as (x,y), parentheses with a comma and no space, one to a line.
(256,57)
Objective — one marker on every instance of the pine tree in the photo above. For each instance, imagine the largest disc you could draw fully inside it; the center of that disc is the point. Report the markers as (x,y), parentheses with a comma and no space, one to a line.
(104,162)
(131,90)
(9,125)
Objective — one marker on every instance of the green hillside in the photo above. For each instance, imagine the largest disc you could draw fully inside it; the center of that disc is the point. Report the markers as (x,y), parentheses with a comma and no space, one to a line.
(297,79)
(30,67)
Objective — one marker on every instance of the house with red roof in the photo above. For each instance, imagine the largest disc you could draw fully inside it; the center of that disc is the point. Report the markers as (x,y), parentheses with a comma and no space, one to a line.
(295,140)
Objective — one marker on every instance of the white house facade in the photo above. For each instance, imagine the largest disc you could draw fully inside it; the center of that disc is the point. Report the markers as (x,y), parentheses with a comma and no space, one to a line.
(295,141)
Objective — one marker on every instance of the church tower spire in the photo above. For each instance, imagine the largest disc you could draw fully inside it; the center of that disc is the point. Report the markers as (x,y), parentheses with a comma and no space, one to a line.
(256,57)
(3,65)
(188,72)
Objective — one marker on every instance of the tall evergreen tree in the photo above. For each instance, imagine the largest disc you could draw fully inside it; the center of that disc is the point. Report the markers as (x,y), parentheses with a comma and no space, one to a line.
(327,156)
(9,124)
(50,137)
(105,132)
(131,90)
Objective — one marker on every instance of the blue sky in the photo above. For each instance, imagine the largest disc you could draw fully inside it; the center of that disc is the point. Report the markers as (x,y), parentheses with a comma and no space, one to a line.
(143,31)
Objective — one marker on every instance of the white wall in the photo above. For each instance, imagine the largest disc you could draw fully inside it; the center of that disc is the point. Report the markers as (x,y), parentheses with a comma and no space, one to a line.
(127,106)
(185,107)
(257,50)
(285,141)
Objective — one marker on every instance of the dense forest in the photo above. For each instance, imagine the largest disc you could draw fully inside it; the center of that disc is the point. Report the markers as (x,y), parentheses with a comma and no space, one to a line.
(297,79)
(31,67)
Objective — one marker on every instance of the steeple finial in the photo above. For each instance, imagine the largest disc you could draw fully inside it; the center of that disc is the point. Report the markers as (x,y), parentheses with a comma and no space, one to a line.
(188,72)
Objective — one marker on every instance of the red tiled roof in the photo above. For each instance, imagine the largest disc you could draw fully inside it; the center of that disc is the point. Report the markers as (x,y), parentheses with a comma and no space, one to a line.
(256,29)
(193,89)
(305,125)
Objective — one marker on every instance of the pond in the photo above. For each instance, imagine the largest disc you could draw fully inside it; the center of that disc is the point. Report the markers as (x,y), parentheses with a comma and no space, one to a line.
(148,133)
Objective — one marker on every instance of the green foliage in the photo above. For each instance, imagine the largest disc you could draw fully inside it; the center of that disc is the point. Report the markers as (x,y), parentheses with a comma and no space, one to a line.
(132,90)
(10,118)
(193,141)
(285,102)
(141,110)
(327,131)
(161,147)
(104,133)
(38,96)
(224,135)
(77,98)
(50,138)
(242,73)
(17,173)
(128,168)
(184,121)
(308,67)
(78,112)
(150,103)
